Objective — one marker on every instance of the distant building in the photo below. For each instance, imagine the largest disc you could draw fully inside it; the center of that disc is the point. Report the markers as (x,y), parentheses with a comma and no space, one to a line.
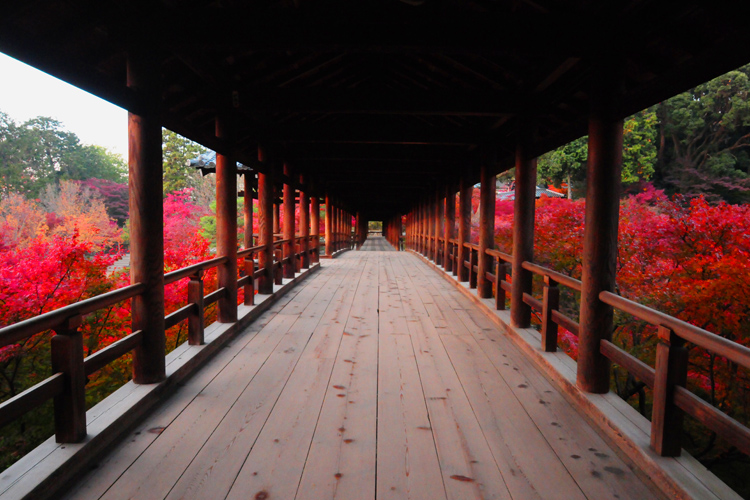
(507,191)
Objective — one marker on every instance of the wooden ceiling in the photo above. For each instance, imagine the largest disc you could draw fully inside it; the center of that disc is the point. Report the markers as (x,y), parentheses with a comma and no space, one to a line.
(379,101)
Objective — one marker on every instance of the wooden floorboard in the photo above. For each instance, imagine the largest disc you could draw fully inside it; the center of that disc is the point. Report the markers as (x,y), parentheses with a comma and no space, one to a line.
(374,380)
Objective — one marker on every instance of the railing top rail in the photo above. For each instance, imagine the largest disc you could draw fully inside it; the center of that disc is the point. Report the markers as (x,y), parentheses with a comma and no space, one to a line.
(280,242)
(698,336)
(23,329)
(247,251)
(497,253)
(178,274)
(560,278)
(471,245)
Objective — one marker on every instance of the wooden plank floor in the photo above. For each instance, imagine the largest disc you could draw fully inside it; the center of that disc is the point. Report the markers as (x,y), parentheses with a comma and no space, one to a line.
(373,379)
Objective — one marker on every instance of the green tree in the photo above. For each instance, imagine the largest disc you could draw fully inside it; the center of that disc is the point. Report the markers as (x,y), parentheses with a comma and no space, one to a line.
(567,164)
(705,139)
(177,151)
(40,152)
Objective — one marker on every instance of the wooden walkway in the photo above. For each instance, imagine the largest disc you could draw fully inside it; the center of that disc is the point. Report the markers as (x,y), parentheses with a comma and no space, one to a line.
(373,379)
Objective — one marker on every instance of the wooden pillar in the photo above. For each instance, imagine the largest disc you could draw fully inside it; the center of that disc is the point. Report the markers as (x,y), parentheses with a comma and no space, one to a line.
(304,223)
(289,266)
(450,220)
(226,226)
(329,226)
(247,210)
(439,226)
(276,215)
(315,228)
(486,223)
(464,226)
(430,226)
(146,219)
(265,223)
(600,233)
(523,232)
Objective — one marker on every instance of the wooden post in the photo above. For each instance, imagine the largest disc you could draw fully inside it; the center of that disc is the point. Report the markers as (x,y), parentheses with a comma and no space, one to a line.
(671,371)
(464,227)
(449,209)
(550,302)
(502,271)
(439,226)
(196,321)
(249,298)
(304,223)
(486,223)
(265,223)
(226,227)
(70,405)
(289,266)
(600,233)
(276,216)
(247,210)
(523,233)
(146,219)
(329,226)
(315,228)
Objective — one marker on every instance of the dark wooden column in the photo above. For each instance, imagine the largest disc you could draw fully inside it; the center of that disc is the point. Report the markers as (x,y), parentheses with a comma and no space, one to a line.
(304,223)
(329,226)
(315,227)
(247,210)
(486,222)
(430,229)
(600,234)
(464,226)
(450,220)
(146,219)
(265,223)
(523,232)
(276,215)
(226,226)
(440,227)
(289,266)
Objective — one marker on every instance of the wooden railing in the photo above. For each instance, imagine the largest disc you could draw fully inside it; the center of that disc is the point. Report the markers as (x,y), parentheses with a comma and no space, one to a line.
(668,378)
(70,370)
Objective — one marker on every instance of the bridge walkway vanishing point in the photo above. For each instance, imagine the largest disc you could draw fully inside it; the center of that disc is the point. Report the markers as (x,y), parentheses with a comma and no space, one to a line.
(375,378)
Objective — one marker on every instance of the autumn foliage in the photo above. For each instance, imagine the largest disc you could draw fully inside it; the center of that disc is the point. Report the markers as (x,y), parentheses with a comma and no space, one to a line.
(685,257)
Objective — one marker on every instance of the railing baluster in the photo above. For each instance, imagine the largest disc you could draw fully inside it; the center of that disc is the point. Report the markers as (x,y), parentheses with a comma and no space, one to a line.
(249,291)
(278,272)
(196,321)
(550,302)
(502,270)
(472,273)
(671,371)
(67,358)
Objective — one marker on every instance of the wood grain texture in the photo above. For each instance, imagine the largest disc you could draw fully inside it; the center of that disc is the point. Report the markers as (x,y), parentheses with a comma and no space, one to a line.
(378,380)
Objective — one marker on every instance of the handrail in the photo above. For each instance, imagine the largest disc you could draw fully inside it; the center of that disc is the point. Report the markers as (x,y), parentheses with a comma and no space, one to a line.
(66,322)
(703,338)
(23,329)
(178,274)
(501,255)
(247,251)
(560,278)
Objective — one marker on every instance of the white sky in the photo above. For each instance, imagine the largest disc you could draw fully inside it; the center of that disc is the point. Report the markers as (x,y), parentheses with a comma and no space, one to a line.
(26,93)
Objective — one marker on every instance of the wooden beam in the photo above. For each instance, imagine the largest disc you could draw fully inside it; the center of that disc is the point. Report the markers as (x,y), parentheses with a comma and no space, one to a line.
(523,230)
(265,224)
(601,226)
(146,219)
(289,266)
(486,223)
(464,226)
(226,226)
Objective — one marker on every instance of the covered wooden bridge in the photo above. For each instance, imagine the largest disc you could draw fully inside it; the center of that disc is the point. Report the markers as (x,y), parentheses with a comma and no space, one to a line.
(377,374)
